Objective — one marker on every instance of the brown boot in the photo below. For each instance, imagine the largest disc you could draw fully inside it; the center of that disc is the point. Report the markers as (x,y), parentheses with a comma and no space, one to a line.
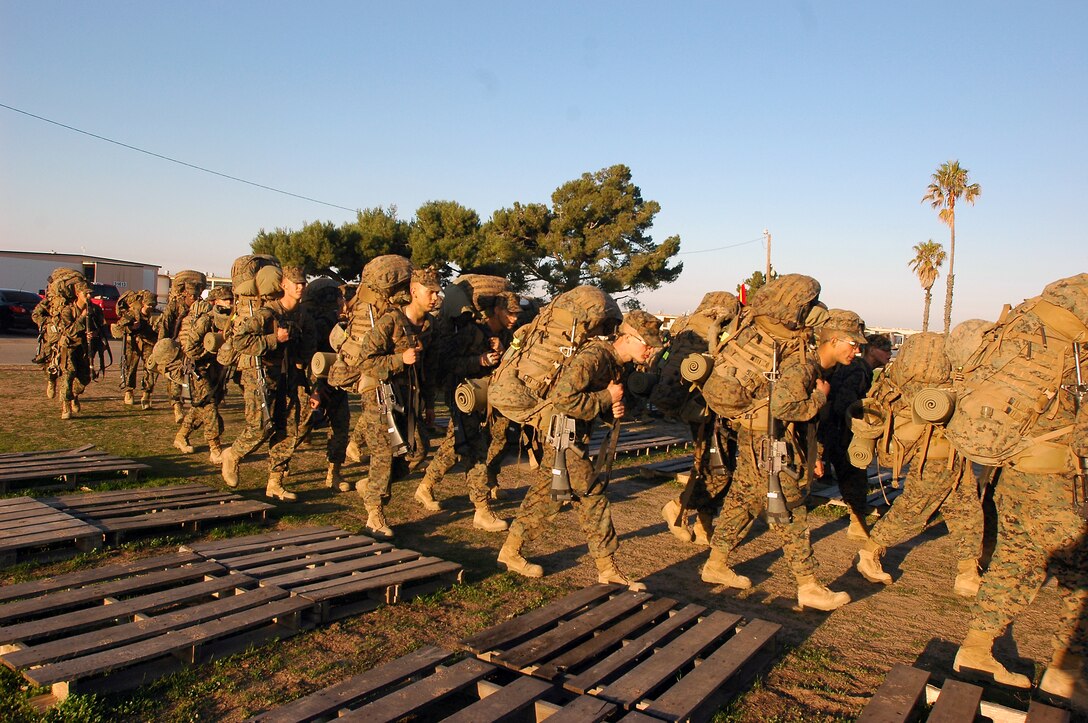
(181,441)
(857,530)
(811,594)
(230,467)
(335,480)
(510,556)
(275,489)
(179,413)
(671,512)
(425,496)
(716,571)
(485,519)
(1064,678)
(145,401)
(608,573)
(76,406)
(50,388)
(967,578)
(65,409)
(869,564)
(975,661)
(353,454)
(703,528)
(129,401)
(376,524)
(215,452)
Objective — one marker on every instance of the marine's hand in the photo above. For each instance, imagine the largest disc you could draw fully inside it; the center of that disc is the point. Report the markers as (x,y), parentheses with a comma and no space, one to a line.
(410,356)
(823,386)
(615,390)
(818,468)
(618,410)
(489,359)
(282,335)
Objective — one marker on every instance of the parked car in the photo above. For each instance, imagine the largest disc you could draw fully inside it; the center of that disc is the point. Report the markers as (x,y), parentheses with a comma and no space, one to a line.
(16,308)
(106,296)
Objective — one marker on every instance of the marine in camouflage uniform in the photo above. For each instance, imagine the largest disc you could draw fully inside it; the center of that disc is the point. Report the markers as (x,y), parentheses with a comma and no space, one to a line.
(469,349)
(799,394)
(278,338)
(207,385)
(589,386)
(323,300)
(395,351)
(140,337)
(849,384)
(44,315)
(169,325)
(76,335)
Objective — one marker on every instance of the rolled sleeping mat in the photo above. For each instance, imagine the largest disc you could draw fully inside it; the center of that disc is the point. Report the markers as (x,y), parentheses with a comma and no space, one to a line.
(696,368)
(641,383)
(861,452)
(213,342)
(470,396)
(337,337)
(321,363)
(934,406)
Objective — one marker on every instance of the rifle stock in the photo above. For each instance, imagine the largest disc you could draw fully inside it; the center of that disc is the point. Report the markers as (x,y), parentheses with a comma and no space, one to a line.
(772,457)
(561,430)
(388,408)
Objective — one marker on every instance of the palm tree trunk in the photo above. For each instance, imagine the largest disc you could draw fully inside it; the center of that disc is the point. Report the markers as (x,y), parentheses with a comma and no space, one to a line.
(925,314)
(951,278)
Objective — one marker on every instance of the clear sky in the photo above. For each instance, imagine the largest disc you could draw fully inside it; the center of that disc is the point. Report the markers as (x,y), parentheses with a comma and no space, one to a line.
(820,121)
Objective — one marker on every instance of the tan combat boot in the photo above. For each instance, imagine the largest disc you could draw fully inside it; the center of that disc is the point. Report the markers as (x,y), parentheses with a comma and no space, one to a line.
(671,513)
(352,453)
(145,401)
(717,572)
(1064,679)
(703,528)
(129,401)
(376,524)
(485,519)
(275,489)
(50,388)
(608,573)
(76,406)
(510,556)
(179,413)
(975,661)
(857,530)
(967,578)
(425,496)
(869,564)
(230,467)
(181,441)
(215,452)
(335,480)
(811,594)
(65,409)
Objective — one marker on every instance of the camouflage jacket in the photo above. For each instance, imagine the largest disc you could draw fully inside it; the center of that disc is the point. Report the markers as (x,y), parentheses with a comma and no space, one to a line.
(255,338)
(383,347)
(581,391)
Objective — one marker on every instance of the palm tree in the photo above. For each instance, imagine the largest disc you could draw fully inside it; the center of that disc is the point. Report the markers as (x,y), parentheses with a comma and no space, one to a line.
(950,185)
(926,264)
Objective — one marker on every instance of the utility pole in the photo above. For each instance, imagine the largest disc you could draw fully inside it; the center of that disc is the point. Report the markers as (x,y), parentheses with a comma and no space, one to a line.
(767,240)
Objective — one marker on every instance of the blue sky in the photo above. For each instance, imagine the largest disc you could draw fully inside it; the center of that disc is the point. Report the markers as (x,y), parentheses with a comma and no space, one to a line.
(819,121)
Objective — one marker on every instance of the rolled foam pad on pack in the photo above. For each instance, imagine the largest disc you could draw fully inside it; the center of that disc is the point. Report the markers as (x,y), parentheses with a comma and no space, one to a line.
(471,395)
(213,342)
(934,405)
(861,451)
(321,362)
(696,368)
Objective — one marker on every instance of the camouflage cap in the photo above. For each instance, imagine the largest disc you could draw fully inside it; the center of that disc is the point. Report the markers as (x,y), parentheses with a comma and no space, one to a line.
(427,277)
(847,322)
(513,303)
(879,341)
(221,293)
(295,274)
(643,325)
(148,297)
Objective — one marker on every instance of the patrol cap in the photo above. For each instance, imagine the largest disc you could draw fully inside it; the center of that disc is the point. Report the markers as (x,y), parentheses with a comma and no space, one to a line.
(427,277)
(147,297)
(221,293)
(879,341)
(513,303)
(644,326)
(294,273)
(846,323)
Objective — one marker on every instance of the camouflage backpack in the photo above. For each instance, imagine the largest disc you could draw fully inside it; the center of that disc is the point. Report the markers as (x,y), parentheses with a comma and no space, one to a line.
(1009,410)
(472,293)
(672,395)
(786,300)
(519,387)
(190,280)
(62,282)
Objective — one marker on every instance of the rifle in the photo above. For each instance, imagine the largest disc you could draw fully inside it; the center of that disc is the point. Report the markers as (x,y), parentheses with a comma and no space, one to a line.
(1079,391)
(708,458)
(123,384)
(772,454)
(262,385)
(561,431)
(96,344)
(388,407)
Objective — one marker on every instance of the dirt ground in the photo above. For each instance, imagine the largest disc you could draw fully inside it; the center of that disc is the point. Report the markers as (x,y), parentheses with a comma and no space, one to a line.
(828,667)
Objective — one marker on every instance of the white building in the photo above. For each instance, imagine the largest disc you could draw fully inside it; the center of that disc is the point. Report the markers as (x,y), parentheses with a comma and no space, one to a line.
(29,270)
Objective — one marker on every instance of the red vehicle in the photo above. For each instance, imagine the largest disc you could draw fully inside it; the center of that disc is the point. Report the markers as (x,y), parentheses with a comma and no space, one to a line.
(106,296)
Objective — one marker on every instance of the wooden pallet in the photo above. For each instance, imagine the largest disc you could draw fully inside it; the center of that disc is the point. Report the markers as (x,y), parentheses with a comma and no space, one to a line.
(644,654)
(67,466)
(28,526)
(124,512)
(904,693)
(640,440)
(431,684)
(668,468)
(339,572)
(122,625)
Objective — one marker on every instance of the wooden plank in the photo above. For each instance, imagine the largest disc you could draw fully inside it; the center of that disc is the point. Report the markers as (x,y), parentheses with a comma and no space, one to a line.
(670,660)
(898,698)
(283,561)
(1042,713)
(86,577)
(307,579)
(571,632)
(49,471)
(120,509)
(142,493)
(252,543)
(313,550)
(416,696)
(37,453)
(168,518)
(720,677)
(634,650)
(583,709)
(608,638)
(504,704)
(398,575)
(522,626)
(957,703)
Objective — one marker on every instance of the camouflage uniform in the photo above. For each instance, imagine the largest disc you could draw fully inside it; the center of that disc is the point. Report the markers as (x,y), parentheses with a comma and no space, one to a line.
(140,338)
(283,365)
(382,347)
(45,315)
(207,385)
(580,392)
(74,326)
(169,326)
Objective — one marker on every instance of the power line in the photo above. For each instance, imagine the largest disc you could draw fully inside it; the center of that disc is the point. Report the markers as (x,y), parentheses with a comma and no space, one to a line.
(721,248)
(179,162)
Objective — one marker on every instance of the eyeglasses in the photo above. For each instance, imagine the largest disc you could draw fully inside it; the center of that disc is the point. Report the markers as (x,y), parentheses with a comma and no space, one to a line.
(851,342)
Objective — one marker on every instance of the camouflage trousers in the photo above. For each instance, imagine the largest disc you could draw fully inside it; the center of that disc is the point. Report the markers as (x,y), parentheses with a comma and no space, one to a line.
(1038,531)
(747,498)
(336,406)
(75,373)
(204,412)
(133,359)
(497,427)
(383,469)
(953,491)
(590,502)
(708,484)
(285,402)
(471,449)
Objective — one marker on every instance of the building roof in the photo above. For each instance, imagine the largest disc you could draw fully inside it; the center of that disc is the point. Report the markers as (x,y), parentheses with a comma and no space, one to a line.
(81,256)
